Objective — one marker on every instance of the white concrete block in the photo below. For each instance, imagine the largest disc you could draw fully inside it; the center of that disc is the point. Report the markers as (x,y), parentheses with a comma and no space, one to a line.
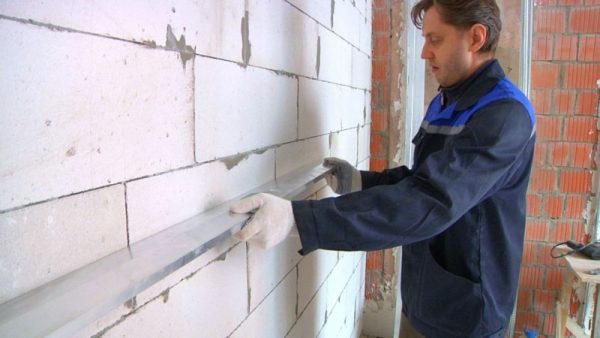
(347,20)
(87,113)
(158,202)
(282,38)
(313,270)
(211,27)
(353,105)
(211,303)
(361,70)
(218,252)
(275,316)
(318,10)
(45,241)
(365,36)
(335,58)
(344,145)
(338,280)
(292,156)
(364,142)
(241,109)
(368,116)
(105,321)
(326,107)
(312,319)
(266,268)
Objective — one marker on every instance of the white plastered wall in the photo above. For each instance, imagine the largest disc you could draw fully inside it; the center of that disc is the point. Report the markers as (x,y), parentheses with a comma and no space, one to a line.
(112,129)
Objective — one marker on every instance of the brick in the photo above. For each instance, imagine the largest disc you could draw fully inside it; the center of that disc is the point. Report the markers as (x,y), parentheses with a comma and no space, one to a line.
(525,300)
(542,100)
(196,304)
(550,20)
(275,316)
(554,279)
(543,180)
(545,257)
(380,70)
(582,155)
(589,48)
(540,154)
(84,131)
(218,38)
(554,206)
(81,229)
(564,101)
(544,301)
(581,129)
(570,2)
(378,144)
(543,47)
(548,128)
(313,270)
(561,232)
(381,21)
(585,20)
(537,230)
(575,206)
(545,2)
(335,58)
(379,120)
(550,325)
(158,202)
(531,277)
(582,76)
(579,232)
(534,205)
(528,320)
(529,253)
(270,37)
(559,154)
(565,47)
(257,100)
(587,102)
(573,181)
(381,46)
(544,75)
(377,164)
(365,35)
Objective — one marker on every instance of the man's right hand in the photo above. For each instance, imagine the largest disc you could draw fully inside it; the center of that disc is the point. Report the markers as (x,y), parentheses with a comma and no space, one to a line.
(344,177)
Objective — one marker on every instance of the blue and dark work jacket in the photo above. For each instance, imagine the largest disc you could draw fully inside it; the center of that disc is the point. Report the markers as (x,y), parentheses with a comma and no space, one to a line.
(459,211)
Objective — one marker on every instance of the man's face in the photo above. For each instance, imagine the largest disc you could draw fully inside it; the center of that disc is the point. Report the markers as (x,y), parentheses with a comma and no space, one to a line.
(446,50)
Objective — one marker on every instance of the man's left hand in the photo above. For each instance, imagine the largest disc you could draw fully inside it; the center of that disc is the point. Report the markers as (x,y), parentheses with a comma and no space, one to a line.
(271,223)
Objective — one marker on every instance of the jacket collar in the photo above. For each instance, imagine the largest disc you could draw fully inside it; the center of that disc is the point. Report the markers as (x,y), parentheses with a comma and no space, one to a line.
(468,92)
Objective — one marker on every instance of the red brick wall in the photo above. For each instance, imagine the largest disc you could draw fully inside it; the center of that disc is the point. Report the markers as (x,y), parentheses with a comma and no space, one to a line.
(381,264)
(565,67)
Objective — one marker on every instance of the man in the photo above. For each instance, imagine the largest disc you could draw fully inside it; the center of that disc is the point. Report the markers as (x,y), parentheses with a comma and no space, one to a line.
(459,212)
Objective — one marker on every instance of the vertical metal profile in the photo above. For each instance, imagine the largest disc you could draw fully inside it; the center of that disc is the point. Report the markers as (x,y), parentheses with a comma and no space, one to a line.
(64,306)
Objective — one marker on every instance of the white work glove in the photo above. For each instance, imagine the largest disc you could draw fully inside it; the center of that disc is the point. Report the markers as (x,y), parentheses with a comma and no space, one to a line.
(272,222)
(344,177)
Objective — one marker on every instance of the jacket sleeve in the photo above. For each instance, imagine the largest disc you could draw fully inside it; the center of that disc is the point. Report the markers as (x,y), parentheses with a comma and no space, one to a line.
(388,176)
(436,194)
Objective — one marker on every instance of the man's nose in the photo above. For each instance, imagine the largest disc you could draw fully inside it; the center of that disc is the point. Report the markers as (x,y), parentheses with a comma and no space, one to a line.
(426,53)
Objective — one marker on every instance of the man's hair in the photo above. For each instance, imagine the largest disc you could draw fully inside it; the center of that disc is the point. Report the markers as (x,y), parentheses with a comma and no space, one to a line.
(464,14)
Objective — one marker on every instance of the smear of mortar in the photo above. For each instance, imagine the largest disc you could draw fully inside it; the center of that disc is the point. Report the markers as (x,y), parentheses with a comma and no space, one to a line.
(186,52)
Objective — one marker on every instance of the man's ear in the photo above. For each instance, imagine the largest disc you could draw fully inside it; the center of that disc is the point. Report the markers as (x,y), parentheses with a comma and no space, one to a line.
(478,37)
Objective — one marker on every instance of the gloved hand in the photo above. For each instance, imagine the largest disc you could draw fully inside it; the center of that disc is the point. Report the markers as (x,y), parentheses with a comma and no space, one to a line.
(271,223)
(344,177)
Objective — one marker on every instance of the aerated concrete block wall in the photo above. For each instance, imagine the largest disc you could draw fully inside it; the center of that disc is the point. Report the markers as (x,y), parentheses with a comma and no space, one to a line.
(120,119)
